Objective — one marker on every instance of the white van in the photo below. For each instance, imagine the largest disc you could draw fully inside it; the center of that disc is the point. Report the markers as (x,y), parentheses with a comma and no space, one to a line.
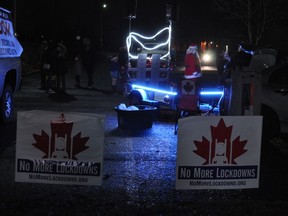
(10,66)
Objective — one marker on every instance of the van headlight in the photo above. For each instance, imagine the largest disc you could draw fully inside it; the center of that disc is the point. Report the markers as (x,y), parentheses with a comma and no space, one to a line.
(207,57)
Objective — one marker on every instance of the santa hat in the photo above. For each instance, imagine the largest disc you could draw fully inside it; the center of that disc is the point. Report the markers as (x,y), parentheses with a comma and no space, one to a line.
(192,48)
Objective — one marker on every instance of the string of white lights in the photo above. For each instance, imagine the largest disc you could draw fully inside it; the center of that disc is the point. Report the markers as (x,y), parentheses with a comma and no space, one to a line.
(133,37)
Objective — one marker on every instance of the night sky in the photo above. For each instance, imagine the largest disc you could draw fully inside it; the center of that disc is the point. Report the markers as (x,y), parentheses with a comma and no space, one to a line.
(64,19)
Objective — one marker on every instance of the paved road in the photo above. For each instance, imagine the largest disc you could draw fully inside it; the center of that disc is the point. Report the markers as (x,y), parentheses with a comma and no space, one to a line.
(139,168)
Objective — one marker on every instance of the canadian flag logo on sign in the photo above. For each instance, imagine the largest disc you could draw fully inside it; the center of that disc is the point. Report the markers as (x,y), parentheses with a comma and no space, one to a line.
(58,148)
(218,152)
(60,144)
(222,149)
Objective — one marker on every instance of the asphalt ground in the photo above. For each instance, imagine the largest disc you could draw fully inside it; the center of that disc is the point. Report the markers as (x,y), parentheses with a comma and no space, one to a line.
(139,169)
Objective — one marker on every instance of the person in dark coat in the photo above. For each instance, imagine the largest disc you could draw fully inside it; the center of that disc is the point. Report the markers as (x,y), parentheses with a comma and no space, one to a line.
(40,60)
(49,64)
(61,65)
(88,60)
(243,57)
(114,71)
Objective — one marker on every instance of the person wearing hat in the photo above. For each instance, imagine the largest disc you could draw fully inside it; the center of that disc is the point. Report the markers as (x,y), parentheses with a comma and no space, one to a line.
(192,63)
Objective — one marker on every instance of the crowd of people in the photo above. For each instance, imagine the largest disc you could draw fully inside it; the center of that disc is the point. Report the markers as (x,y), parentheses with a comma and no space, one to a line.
(53,65)
(53,62)
(52,58)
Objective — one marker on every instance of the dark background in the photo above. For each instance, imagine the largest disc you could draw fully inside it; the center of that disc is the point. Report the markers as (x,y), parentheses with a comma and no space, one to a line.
(64,19)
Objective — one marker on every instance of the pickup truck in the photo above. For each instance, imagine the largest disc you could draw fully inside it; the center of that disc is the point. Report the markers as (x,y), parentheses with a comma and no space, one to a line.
(10,66)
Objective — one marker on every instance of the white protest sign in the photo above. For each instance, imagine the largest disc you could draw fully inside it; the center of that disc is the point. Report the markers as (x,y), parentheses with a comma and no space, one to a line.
(59,148)
(216,152)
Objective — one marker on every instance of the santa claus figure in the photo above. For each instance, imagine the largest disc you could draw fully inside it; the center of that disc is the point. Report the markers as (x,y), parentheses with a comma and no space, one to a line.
(192,63)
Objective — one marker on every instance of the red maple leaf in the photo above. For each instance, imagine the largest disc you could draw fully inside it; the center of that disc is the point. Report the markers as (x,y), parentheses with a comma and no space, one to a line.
(42,142)
(238,148)
(78,144)
(203,149)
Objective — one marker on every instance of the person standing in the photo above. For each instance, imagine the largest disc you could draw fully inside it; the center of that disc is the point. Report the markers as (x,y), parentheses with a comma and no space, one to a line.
(220,62)
(88,60)
(192,63)
(40,60)
(114,71)
(49,65)
(243,56)
(77,61)
(77,70)
(61,65)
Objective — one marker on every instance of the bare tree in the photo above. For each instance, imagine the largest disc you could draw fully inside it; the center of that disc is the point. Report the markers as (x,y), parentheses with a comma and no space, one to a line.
(256,15)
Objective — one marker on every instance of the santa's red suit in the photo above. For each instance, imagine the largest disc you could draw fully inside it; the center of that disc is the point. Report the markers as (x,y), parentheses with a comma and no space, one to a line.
(192,63)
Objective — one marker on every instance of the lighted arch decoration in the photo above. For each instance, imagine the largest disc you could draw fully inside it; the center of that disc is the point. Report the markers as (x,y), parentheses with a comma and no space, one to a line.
(133,36)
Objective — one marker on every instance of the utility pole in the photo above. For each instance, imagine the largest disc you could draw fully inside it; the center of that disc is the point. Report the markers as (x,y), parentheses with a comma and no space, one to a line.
(131,9)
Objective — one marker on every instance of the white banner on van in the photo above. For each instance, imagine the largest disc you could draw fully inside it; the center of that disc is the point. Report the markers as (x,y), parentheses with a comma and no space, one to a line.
(58,148)
(9,45)
(216,152)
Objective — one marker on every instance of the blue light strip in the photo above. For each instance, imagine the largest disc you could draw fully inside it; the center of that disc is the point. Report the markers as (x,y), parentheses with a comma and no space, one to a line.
(154,89)
(211,93)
